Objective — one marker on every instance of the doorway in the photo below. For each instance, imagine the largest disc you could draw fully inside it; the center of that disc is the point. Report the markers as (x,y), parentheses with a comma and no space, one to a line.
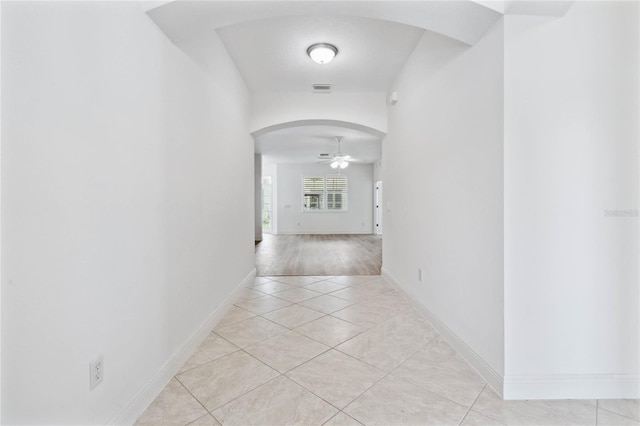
(267,205)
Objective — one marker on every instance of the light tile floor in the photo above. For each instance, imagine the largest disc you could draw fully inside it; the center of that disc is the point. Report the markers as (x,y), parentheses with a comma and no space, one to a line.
(344,351)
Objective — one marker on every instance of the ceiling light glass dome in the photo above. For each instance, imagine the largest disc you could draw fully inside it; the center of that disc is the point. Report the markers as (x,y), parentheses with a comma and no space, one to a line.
(322,53)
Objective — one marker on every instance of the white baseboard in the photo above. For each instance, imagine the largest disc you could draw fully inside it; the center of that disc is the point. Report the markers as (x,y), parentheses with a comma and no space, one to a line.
(485,371)
(557,386)
(573,386)
(149,392)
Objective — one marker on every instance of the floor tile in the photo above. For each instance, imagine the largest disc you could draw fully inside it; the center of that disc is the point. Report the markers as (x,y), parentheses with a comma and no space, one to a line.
(286,351)
(226,378)
(298,280)
(262,305)
(390,343)
(341,419)
(535,412)
(293,316)
(174,406)
(326,303)
(352,279)
(394,401)
(213,347)
(325,287)
(438,368)
(207,420)
(330,331)
(234,315)
(428,383)
(250,331)
(321,277)
(391,300)
(376,286)
(335,377)
(248,294)
(476,419)
(278,402)
(625,407)
(364,315)
(355,293)
(273,287)
(261,280)
(296,295)
(607,418)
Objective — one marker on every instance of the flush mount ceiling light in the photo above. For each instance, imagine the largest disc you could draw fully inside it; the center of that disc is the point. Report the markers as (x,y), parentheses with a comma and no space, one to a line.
(322,53)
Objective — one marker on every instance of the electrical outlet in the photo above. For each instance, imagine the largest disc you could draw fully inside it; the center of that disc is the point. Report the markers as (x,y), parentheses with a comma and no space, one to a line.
(419,275)
(96,372)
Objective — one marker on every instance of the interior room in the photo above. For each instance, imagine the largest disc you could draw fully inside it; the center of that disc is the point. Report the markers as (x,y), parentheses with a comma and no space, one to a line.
(138,141)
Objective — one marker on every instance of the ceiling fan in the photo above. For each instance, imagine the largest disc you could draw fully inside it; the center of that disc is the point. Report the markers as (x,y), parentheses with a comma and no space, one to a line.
(339,160)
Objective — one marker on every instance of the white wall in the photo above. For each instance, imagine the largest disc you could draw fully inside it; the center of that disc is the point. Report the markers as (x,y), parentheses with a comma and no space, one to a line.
(1,174)
(272,108)
(443,189)
(257,184)
(571,153)
(293,220)
(123,229)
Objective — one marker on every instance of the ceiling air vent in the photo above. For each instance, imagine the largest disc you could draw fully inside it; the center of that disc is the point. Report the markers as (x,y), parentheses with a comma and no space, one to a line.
(324,155)
(321,88)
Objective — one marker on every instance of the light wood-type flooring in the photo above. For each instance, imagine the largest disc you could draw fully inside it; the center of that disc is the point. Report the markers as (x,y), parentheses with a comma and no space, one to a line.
(319,255)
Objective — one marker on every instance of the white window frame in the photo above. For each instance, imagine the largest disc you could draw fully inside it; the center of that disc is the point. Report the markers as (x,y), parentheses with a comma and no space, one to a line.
(325,195)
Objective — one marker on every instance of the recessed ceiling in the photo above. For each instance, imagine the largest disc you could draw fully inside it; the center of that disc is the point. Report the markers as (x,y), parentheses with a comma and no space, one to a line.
(304,144)
(271,54)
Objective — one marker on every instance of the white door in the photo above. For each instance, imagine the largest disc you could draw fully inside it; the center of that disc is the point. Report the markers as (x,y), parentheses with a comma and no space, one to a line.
(378,207)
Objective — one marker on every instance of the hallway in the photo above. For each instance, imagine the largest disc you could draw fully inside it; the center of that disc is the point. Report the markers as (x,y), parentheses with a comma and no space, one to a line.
(345,350)
(506,134)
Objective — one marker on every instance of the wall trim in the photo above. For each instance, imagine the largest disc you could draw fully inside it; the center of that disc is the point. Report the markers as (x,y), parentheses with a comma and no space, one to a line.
(492,377)
(152,389)
(572,386)
(554,386)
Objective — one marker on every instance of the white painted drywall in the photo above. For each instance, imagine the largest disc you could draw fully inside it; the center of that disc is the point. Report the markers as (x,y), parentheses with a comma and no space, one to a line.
(571,154)
(273,108)
(124,227)
(293,220)
(442,172)
(257,184)
(1,174)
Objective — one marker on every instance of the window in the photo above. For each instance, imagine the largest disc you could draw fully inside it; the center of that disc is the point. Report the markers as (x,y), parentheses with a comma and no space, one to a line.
(336,192)
(324,193)
(313,188)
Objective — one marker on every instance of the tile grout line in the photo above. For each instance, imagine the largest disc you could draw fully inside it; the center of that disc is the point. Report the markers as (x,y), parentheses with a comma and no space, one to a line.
(329,348)
(472,404)
(613,412)
(429,390)
(194,397)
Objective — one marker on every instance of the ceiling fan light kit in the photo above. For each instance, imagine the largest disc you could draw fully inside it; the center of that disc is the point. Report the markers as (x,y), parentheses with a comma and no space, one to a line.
(339,160)
(322,53)
(340,163)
